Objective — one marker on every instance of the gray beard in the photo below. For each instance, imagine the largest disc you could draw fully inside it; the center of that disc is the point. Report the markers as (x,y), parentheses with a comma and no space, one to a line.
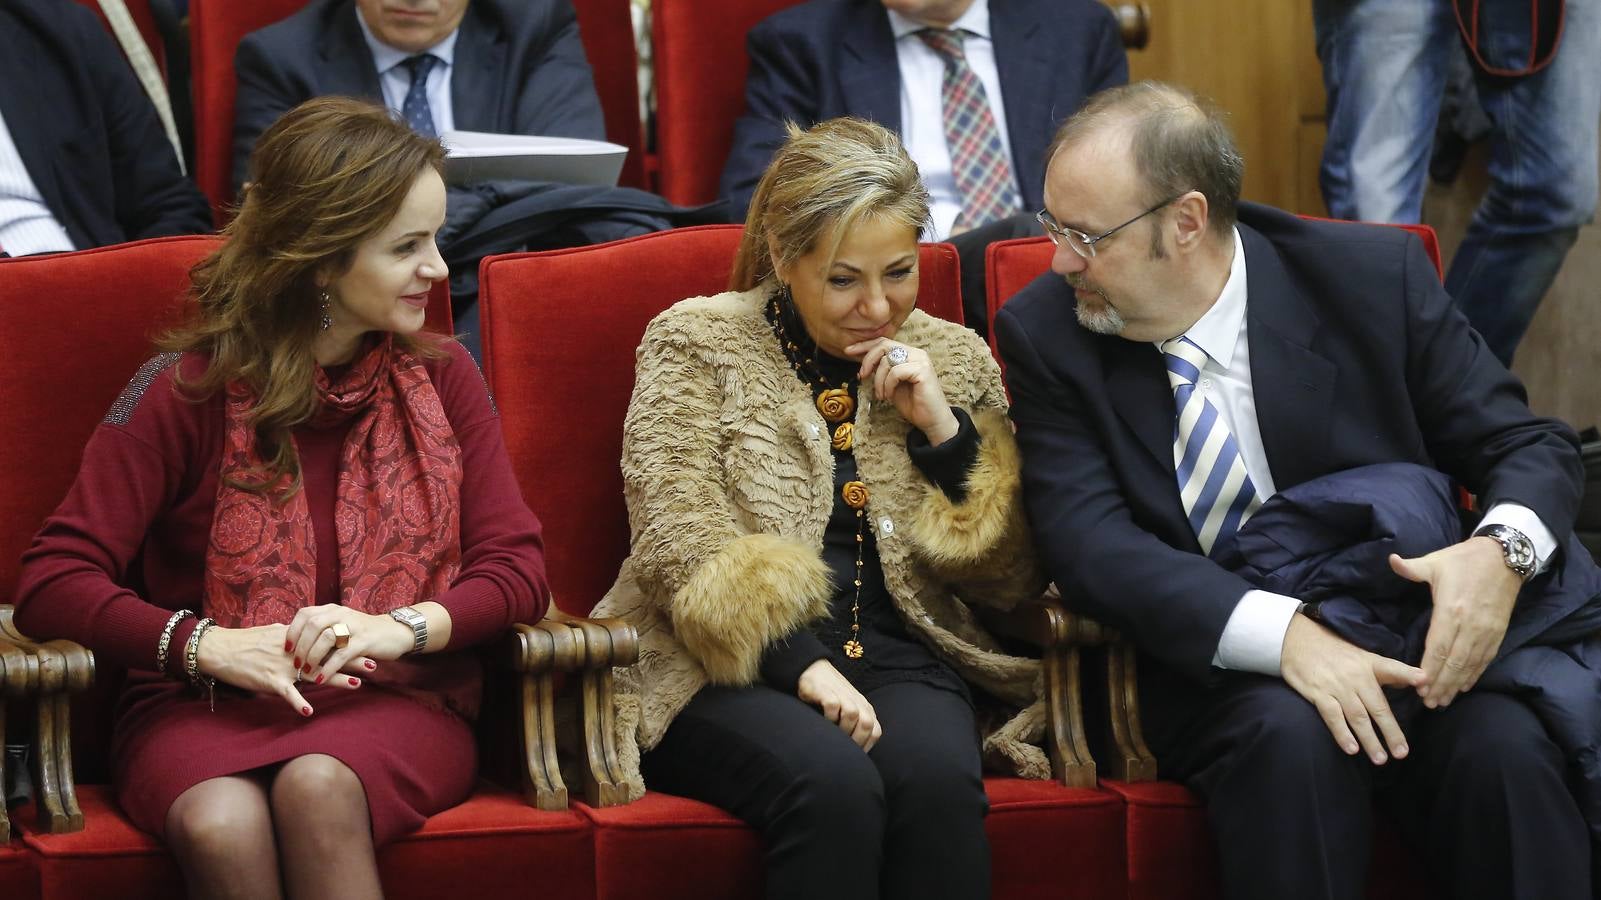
(1103,321)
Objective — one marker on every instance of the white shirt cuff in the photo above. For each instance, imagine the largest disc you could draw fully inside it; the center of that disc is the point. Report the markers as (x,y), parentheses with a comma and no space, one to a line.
(1516,515)
(1253,639)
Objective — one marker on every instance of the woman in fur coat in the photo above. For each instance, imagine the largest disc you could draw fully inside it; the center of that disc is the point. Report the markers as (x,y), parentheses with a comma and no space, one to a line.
(822,484)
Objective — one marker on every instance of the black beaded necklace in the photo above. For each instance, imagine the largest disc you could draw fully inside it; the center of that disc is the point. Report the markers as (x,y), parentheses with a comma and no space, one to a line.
(838,408)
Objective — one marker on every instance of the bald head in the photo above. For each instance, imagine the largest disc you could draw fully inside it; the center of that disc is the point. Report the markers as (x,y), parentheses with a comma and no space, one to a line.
(1177,142)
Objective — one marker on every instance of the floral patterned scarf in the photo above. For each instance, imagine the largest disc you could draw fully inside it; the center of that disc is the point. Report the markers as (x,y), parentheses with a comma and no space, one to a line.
(397,515)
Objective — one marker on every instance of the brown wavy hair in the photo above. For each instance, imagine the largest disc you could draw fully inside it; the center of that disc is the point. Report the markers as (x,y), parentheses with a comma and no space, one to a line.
(821,182)
(328,175)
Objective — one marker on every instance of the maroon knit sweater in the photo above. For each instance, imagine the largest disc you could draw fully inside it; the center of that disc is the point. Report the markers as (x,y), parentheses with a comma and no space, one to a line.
(127,546)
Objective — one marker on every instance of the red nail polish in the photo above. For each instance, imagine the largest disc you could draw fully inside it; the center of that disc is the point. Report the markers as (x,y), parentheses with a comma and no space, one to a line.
(306,668)
(371,665)
(297,662)
(355,682)
(288,647)
(319,679)
(305,710)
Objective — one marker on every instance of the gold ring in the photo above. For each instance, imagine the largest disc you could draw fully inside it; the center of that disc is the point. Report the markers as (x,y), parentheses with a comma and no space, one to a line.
(341,635)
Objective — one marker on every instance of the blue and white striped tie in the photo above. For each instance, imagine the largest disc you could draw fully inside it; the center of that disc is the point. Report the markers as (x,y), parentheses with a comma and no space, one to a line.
(1214,487)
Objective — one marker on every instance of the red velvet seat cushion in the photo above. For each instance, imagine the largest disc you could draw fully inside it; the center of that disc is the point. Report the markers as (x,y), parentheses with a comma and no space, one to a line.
(1047,841)
(1171,854)
(494,843)
(19,871)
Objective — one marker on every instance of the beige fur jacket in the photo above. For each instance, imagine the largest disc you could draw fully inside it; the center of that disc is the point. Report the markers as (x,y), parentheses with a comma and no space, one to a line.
(729,481)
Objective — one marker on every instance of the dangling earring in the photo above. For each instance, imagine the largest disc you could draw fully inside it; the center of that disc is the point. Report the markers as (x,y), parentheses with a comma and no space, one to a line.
(327,320)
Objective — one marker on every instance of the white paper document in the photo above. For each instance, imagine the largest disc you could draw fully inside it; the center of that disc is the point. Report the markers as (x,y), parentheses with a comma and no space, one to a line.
(480,156)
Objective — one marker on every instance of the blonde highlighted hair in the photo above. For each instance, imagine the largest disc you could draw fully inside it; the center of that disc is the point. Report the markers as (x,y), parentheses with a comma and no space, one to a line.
(328,175)
(822,182)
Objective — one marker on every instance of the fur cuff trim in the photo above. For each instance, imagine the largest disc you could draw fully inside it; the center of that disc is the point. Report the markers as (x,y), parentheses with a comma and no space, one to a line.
(754,591)
(955,534)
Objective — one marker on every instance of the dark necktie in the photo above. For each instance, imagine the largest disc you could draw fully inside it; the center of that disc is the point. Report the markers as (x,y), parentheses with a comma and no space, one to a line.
(978,159)
(415,109)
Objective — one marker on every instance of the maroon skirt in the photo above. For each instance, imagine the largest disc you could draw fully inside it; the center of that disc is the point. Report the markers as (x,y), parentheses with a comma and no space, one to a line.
(414,759)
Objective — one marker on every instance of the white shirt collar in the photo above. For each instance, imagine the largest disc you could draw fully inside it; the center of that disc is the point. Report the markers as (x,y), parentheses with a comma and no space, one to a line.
(1218,331)
(975,21)
(385,57)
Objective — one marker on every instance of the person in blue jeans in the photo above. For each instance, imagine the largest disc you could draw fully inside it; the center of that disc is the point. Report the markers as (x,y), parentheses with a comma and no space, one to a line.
(1385,65)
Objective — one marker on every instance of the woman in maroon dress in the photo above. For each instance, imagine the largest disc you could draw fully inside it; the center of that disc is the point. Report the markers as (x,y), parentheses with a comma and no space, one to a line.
(290,526)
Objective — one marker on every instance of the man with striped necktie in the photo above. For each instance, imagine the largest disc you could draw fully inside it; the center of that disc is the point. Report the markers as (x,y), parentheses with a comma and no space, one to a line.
(1190,357)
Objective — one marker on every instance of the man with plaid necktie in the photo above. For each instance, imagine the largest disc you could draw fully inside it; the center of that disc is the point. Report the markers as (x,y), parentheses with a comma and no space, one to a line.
(1188,358)
(975,89)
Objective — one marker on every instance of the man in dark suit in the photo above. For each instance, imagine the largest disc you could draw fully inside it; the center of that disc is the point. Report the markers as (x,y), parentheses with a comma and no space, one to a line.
(1030,63)
(1187,359)
(83,159)
(503,66)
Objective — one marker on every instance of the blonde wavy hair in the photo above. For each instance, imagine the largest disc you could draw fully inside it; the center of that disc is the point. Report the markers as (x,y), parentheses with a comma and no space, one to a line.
(326,176)
(822,182)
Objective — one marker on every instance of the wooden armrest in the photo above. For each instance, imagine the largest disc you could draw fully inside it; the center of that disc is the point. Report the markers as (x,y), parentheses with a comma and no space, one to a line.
(1133,24)
(49,672)
(590,648)
(1060,636)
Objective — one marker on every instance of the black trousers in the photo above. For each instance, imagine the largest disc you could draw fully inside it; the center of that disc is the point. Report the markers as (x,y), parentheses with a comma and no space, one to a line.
(1483,795)
(970,248)
(904,821)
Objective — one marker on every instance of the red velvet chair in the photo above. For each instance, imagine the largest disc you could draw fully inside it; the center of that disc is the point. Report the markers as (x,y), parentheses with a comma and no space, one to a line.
(1170,850)
(82,322)
(607,30)
(215,29)
(560,330)
(699,48)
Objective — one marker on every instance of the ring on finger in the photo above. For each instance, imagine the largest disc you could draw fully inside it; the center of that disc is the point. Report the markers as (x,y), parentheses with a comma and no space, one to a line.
(897,355)
(341,633)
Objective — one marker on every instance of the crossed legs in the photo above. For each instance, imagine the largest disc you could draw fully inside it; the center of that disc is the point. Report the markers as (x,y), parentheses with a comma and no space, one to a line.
(271,834)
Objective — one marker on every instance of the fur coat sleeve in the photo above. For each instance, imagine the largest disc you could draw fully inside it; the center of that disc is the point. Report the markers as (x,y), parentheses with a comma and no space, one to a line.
(729,591)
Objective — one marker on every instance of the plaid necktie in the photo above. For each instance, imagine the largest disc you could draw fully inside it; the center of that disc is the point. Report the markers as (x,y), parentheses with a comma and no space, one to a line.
(978,159)
(415,109)
(1214,487)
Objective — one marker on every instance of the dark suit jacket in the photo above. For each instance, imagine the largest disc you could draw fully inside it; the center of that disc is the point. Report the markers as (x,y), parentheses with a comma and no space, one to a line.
(829,58)
(87,133)
(519,69)
(1358,356)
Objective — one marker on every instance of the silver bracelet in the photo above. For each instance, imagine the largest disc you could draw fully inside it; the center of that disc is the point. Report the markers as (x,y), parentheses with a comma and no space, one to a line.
(165,644)
(191,661)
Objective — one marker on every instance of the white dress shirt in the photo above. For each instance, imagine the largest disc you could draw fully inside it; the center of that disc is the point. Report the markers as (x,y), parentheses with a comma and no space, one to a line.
(26,224)
(923,112)
(1254,636)
(395,77)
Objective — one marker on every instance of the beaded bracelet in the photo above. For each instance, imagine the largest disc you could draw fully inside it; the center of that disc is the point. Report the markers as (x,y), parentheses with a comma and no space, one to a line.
(191,662)
(165,644)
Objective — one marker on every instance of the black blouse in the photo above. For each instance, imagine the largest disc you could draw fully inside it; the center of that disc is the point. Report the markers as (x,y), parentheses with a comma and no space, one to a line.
(891,654)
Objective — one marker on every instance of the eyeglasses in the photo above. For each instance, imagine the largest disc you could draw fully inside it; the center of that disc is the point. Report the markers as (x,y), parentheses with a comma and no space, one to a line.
(1083,244)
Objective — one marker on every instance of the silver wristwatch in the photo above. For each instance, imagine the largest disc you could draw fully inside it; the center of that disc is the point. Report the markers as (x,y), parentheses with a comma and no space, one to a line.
(414,620)
(1516,548)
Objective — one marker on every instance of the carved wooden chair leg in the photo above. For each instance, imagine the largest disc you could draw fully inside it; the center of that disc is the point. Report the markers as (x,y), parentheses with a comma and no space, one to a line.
(543,786)
(1131,759)
(66,785)
(603,783)
(1069,750)
(53,817)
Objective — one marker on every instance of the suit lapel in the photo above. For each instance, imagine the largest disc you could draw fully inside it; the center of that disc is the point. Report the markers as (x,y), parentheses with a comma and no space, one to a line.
(1137,382)
(347,63)
(870,74)
(477,77)
(1292,384)
(1023,65)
